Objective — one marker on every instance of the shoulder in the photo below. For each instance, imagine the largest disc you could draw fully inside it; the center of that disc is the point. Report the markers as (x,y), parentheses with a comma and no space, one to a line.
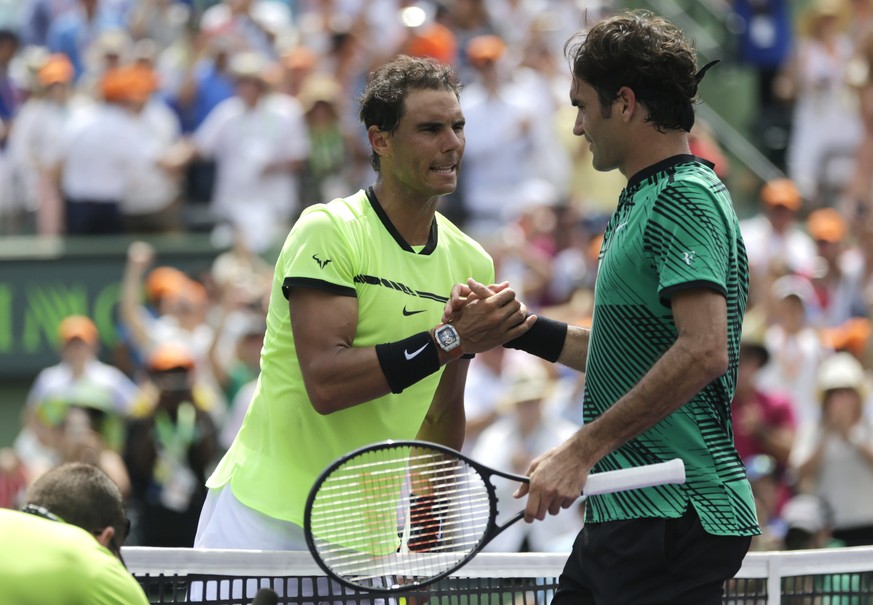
(110,583)
(338,219)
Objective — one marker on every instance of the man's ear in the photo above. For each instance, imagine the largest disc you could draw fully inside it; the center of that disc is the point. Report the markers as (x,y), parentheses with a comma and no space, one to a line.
(379,140)
(105,536)
(626,100)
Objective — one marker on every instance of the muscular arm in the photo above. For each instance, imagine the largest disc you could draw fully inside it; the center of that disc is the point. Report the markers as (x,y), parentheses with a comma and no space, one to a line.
(698,356)
(338,375)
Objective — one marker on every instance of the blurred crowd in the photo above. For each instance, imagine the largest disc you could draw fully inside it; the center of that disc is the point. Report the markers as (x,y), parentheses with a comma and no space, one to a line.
(157,116)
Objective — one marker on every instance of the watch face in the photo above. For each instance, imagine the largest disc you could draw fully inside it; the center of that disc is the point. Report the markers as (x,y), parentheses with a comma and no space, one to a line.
(447,337)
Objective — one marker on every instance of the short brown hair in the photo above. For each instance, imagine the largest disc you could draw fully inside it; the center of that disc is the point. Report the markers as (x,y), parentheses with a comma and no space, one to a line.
(82,495)
(383,100)
(646,53)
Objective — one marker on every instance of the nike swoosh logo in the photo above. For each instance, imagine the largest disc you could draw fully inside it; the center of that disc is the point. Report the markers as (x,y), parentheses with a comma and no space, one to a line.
(410,356)
(408,313)
(617,229)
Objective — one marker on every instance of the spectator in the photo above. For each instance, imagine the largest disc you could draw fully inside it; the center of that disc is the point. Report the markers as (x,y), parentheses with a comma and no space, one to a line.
(765,43)
(259,142)
(83,436)
(500,144)
(151,200)
(809,523)
(837,281)
(180,316)
(169,450)
(38,441)
(775,242)
(834,458)
(99,149)
(66,545)
(826,126)
(323,176)
(795,347)
(33,142)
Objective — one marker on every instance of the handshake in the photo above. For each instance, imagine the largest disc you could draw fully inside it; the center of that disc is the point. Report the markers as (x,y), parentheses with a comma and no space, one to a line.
(486,316)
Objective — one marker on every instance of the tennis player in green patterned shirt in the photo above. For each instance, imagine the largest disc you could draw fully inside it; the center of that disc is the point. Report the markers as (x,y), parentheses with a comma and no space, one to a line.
(353,352)
(661,355)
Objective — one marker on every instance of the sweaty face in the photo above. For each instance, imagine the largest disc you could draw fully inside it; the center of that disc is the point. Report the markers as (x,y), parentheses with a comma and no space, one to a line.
(591,124)
(425,149)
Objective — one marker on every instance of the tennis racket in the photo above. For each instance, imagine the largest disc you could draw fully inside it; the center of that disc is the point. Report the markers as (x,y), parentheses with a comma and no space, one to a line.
(397,515)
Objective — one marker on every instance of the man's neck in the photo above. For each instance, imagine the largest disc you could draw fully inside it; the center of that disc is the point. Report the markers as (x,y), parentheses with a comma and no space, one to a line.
(411,215)
(652,147)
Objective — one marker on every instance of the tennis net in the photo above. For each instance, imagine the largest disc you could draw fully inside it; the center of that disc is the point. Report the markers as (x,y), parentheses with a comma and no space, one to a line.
(841,576)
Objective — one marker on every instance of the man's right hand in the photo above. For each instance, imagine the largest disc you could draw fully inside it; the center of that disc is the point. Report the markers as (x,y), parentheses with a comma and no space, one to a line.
(486,316)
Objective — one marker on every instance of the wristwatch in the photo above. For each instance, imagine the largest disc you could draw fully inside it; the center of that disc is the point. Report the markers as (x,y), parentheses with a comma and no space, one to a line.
(448,340)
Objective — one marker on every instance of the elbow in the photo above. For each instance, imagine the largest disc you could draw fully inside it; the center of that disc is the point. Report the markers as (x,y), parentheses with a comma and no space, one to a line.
(715,363)
(321,400)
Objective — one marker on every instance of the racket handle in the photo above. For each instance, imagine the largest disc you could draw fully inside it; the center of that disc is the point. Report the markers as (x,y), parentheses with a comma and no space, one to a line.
(672,471)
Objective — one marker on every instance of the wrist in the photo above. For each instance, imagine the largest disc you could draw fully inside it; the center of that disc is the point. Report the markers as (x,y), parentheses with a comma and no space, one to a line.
(545,339)
(448,341)
(408,361)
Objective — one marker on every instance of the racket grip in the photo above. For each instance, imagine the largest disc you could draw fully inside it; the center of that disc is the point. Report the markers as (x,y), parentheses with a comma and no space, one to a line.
(672,471)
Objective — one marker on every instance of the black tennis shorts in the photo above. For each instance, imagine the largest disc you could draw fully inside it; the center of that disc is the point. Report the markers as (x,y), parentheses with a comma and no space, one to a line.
(650,562)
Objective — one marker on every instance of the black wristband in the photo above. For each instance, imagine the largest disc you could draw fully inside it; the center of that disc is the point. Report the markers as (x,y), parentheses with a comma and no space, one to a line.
(407,361)
(545,339)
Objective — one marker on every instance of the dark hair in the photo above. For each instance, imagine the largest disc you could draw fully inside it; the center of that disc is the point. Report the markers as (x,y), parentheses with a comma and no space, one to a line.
(82,495)
(646,53)
(383,99)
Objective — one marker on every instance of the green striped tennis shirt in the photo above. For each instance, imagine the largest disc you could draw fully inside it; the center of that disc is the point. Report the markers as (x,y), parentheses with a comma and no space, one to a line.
(674,229)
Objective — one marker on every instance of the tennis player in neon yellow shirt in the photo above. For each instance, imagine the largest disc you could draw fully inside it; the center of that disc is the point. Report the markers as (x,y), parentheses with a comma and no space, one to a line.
(354,351)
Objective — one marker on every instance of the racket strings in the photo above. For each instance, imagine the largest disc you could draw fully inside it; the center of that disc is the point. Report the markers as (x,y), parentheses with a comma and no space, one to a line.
(368,514)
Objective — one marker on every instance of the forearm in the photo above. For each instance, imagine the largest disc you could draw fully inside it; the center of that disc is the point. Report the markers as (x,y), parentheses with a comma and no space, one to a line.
(343,378)
(445,420)
(575,351)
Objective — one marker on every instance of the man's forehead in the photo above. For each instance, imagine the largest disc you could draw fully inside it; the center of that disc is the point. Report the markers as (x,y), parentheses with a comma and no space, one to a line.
(427,104)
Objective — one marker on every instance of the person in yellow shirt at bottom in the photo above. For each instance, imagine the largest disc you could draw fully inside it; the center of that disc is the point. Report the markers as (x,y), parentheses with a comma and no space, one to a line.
(64,546)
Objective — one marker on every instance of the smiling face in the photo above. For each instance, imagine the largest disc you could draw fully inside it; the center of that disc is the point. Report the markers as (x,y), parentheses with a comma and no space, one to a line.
(596,124)
(423,153)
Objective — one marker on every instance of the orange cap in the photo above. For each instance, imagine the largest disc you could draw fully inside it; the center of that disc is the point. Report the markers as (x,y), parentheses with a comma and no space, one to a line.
(485,48)
(827,225)
(131,83)
(436,41)
(78,326)
(56,70)
(852,336)
(782,192)
(142,82)
(163,281)
(170,356)
(300,57)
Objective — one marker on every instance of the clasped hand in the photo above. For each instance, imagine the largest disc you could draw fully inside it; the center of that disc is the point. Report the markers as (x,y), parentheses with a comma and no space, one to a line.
(486,316)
